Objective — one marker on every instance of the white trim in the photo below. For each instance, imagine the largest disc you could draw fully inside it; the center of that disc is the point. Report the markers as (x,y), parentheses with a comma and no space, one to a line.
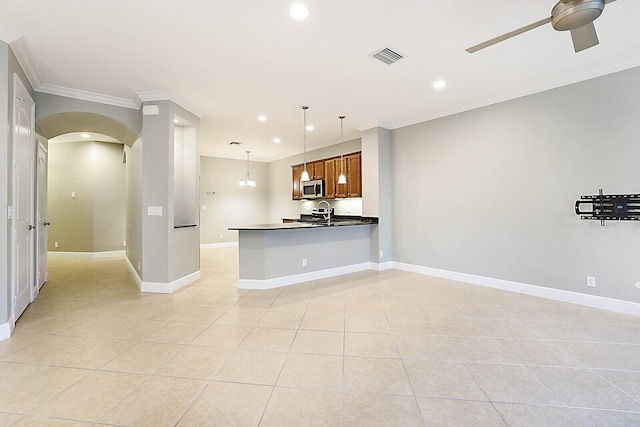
(278,282)
(604,303)
(94,255)
(6,329)
(86,96)
(167,288)
(152,96)
(134,273)
(218,245)
(381,266)
(19,48)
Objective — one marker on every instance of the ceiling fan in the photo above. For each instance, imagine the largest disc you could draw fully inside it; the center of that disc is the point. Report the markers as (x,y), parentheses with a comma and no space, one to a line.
(576,16)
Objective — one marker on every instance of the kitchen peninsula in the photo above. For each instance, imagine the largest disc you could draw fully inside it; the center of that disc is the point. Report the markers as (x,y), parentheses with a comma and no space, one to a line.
(275,255)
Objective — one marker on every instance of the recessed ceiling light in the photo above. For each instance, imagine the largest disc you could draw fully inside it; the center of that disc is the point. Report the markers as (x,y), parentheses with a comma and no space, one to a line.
(276,140)
(299,11)
(262,118)
(176,121)
(309,127)
(439,84)
(85,135)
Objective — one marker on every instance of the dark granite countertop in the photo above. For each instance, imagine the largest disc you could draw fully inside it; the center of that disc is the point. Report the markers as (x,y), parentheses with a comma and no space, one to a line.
(308,221)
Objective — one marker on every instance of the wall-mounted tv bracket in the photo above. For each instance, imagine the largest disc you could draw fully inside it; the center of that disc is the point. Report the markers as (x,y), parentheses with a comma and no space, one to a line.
(612,207)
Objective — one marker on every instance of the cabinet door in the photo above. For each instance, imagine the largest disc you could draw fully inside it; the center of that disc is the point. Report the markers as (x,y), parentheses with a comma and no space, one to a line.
(354,175)
(317,170)
(341,189)
(330,179)
(297,188)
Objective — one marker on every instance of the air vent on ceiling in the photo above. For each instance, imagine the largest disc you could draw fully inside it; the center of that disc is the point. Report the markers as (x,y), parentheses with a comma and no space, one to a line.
(235,143)
(388,56)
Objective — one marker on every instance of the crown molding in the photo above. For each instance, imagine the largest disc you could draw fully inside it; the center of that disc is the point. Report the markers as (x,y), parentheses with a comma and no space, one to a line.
(386,126)
(19,48)
(150,96)
(8,36)
(87,96)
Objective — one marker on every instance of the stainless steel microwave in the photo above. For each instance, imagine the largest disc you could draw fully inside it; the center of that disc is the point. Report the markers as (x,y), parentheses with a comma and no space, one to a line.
(312,189)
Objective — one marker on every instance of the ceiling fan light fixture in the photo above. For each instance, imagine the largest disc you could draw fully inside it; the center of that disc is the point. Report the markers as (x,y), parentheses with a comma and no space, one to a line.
(575,14)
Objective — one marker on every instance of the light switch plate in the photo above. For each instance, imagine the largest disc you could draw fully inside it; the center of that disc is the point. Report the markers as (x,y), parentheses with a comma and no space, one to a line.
(154,210)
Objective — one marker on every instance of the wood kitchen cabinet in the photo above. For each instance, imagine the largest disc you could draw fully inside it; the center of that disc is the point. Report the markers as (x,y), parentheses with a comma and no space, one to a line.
(329,170)
(297,188)
(316,170)
(353,170)
(330,181)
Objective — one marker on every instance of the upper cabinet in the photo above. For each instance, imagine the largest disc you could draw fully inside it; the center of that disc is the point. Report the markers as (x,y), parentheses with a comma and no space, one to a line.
(329,170)
(354,174)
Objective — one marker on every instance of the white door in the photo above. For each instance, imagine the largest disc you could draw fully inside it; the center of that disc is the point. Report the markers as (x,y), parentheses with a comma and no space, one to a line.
(43,221)
(23,221)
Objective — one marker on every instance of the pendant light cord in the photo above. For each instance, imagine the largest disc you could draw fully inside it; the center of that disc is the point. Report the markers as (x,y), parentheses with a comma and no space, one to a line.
(341,140)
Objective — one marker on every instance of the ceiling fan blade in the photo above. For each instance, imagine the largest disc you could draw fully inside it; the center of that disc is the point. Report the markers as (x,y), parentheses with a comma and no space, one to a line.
(584,37)
(508,35)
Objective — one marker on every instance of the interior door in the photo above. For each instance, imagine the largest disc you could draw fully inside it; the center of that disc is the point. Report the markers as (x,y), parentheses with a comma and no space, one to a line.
(23,227)
(43,222)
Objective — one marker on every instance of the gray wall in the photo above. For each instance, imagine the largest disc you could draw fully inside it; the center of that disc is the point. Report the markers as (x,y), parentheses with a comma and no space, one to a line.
(280,203)
(94,220)
(490,192)
(231,205)
(134,204)
(168,253)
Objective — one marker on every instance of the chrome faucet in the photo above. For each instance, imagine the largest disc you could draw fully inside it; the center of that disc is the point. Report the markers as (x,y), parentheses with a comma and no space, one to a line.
(328,218)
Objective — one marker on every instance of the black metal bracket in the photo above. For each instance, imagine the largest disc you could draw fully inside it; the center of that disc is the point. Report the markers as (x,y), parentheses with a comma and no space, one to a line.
(612,207)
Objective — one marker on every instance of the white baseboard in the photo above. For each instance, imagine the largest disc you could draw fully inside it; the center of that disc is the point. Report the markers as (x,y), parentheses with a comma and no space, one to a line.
(278,282)
(619,306)
(218,245)
(134,273)
(162,288)
(93,255)
(381,266)
(6,329)
(167,288)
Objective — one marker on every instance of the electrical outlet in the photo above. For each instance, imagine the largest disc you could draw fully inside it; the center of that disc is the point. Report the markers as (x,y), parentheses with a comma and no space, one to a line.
(304,262)
(55,245)
(124,243)
(221,237)
(73,194)
(591,281)
(381,254)
(638,285)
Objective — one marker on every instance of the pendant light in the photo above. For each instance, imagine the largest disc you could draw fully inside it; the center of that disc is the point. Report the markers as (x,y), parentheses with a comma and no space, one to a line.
(305,174)
(247,181)
(342,179)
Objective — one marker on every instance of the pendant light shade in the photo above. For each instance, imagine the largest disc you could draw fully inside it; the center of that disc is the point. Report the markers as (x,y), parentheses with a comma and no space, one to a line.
(305,174)
(246,181)
(341,179)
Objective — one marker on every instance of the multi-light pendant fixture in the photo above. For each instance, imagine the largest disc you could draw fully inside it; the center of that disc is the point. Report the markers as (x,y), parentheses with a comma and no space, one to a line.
(341,179)
(246,181)
(305,174)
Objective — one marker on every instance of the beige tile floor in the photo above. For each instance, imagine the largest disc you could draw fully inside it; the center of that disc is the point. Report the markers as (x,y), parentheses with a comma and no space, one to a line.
(367,349)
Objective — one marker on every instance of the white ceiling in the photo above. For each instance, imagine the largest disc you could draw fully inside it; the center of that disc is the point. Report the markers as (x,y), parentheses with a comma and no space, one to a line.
(230,61)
